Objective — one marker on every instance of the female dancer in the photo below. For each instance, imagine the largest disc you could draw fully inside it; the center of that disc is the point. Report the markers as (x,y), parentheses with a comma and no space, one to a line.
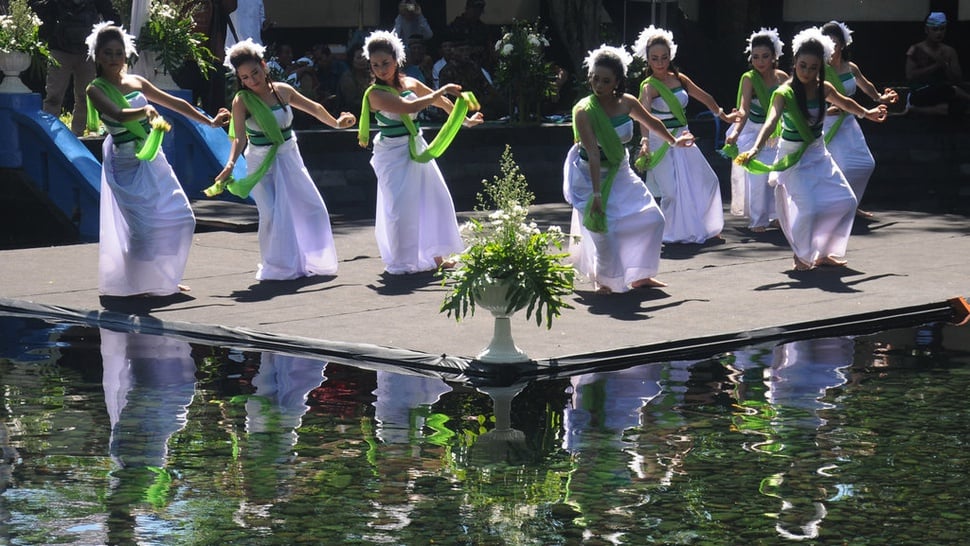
(690,195)
(295,239)
(416,224)
(750,193)
(843,136)
(146,221)
(622,248)
(814,202)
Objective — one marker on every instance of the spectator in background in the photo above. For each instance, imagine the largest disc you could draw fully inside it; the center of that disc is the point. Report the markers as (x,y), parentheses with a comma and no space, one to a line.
(328,72)
(210,17)
(447,51)
(418,64)
(468,27)
(299,73)
(65,25)
(355,81)
(247,21)
(465,70)
(411,22)
(933,70)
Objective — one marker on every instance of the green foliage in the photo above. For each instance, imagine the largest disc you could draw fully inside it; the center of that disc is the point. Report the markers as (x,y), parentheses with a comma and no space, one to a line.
(19,29)
(170,34)
(508,248)
(522,68)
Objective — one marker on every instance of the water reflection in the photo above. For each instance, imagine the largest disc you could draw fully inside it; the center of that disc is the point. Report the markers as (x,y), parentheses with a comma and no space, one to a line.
(149,382)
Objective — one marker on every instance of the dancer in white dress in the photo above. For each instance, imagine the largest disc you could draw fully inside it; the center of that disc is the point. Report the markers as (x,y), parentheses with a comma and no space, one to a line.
(146,220)
(295,238)
(814,202)
(690,195)
(750,194)
(416,226)
(843,136)
(622,249)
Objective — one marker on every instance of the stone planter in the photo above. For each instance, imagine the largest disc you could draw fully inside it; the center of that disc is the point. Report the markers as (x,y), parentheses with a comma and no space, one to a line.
(502,349)
(12,64)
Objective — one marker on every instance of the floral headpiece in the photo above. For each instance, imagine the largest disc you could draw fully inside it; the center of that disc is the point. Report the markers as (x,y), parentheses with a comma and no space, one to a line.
(618,53)
(92,40)
(245,46)
(648,35)
(389,38)
(813,34)
(771,34)
(846,32)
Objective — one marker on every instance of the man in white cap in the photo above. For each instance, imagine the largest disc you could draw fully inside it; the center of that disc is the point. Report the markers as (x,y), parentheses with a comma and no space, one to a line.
(933,70)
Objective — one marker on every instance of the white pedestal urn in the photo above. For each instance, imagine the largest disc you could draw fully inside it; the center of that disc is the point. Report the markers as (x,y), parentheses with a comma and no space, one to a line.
(502,444)
(12,64)
(502,349)
(160,76)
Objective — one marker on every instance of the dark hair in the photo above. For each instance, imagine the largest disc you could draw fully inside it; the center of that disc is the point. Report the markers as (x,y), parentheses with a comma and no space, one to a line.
(613,63)
(810,47)
(241,56)
(659,40)
(376,46)
(763,41)
(107,34)
(834,31)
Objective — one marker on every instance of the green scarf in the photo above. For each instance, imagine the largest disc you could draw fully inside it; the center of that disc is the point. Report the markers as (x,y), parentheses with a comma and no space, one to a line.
(442,140)
(151,141)
(795,115)
(610,143)
(832,77)
(731,151)
(675,108)
(270,127)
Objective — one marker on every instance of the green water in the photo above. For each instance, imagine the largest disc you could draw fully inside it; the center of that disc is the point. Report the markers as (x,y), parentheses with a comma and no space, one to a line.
(111,438)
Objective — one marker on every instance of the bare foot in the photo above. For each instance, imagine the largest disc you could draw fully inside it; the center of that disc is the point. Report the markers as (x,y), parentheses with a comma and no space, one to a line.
(649,282)
(775,224)
(864,214)
(831,261)
(184,288)
(442,264)
(801,266)
(758,229)
(603,290)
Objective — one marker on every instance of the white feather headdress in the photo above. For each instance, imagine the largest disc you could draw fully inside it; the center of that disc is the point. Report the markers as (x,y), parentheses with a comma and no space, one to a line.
(245,46)
(92,40)
(813,34)
(607,51)
(771,34)
(391,38)
(846,32)
(648,35)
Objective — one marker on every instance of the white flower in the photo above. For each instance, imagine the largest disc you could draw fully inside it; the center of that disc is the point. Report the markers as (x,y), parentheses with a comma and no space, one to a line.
(533,40)
(498,45)
(507,49)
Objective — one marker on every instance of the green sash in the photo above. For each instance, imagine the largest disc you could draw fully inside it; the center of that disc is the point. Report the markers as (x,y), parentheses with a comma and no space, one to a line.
(271,129)
(612,148)
(832,77)
(151,141)
(466,101)
(796,117)
(675,108)
(731,151)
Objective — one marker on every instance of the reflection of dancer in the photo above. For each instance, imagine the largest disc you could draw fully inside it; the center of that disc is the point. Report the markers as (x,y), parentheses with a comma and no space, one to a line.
(403,404)
(149,383)
(801,375)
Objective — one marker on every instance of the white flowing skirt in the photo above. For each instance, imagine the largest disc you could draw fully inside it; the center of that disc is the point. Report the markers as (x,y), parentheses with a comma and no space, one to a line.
(750,194)
(851,153)
(295,238)
(146,224)
(815,204)
(416,219)
(630,249)
(690,194)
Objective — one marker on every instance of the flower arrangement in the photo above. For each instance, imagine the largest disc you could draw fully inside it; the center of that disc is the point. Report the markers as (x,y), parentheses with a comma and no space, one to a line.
(170,34)
(522,69)
(19,29)
(508,248)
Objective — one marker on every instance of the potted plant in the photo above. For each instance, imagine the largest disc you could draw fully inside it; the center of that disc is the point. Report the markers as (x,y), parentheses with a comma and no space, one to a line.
(19,43)
(522,70)
(509,263)
(169,35)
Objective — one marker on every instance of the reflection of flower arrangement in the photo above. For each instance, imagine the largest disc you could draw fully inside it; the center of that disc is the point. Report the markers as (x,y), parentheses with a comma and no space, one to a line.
(19,30)
(508,248)
(170,34)
(522,67)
